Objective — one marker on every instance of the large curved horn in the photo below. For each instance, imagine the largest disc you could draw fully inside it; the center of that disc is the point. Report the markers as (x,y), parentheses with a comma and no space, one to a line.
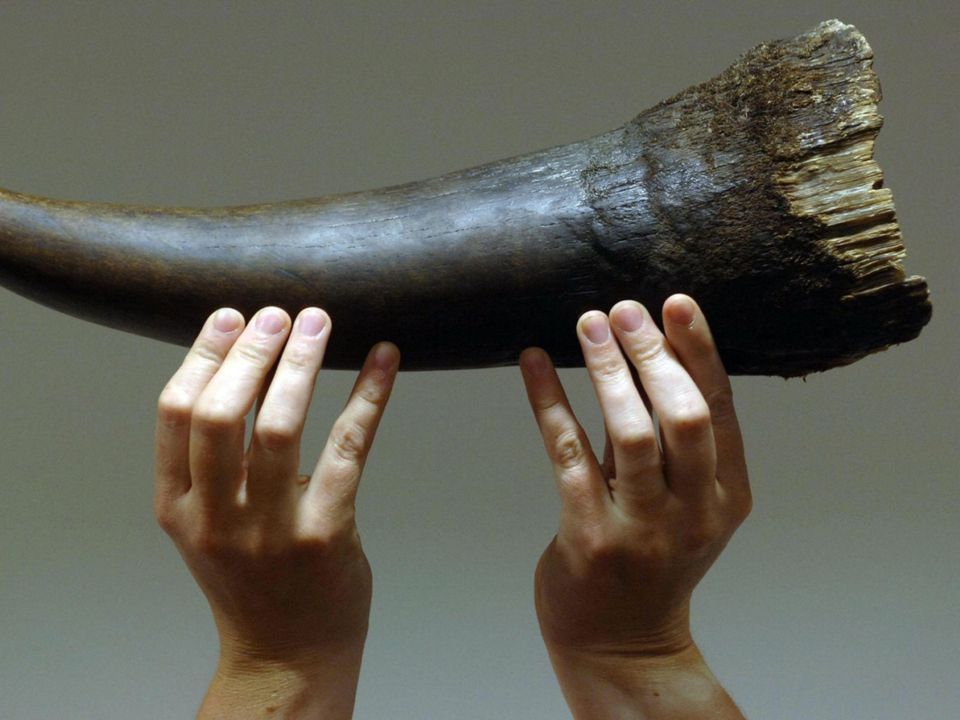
(756,192)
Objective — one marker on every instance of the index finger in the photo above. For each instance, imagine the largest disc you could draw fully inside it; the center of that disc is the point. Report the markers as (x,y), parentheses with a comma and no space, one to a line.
(580,482)
(336,477)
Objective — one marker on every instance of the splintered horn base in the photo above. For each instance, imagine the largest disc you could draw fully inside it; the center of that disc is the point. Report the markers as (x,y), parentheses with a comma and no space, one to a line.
(756,192)
(801,253)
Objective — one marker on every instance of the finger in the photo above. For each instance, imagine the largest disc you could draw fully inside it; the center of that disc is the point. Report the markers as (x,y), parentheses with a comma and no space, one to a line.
(217,424)
(690,336)
(337,475)
(274,458)
(689,450)
(583,489)
(177,399)
(636,452)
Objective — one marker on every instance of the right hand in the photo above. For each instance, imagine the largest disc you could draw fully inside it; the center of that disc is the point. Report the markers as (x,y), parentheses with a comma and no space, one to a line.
(640,529)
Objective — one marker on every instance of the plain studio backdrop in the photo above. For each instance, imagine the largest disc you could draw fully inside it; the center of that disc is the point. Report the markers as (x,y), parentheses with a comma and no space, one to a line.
(837,599)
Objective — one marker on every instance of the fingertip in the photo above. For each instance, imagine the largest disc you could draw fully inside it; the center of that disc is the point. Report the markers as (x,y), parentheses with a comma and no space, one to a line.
(627,304)
(227,320)
(534,361)
(272,320)
(312,321)
(385,357)
(628,316)
(594,326)
(687,327)
(680,310)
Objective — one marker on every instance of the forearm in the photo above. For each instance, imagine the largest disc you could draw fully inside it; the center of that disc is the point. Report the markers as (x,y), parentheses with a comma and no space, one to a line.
(245,691)
(616,687)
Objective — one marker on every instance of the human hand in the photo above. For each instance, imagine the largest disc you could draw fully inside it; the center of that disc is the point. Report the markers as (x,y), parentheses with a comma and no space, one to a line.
(276,553)
(641,528)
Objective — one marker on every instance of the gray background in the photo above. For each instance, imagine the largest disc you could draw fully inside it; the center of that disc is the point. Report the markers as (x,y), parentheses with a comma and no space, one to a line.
(837,599)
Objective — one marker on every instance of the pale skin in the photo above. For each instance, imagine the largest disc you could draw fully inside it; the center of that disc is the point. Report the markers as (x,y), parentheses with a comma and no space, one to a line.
(278,556)
(639,528)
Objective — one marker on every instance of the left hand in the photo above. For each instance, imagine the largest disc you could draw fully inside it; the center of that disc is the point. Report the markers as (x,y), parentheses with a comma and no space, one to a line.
(277,554)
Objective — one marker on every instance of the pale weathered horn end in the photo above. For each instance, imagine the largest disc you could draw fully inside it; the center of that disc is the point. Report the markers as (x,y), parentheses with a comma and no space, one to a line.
(766,174)
(831,178)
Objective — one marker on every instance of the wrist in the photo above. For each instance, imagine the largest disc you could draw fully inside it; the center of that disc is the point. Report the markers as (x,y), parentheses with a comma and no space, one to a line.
(605,686)
(321,683)
(241,653)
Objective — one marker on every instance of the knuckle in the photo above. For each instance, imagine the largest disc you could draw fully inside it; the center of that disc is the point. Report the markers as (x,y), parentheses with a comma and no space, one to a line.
(635,441)
(743,506)
(174,406)
(326,540)
(297,359)
(325,528)
(164,513)
(703,536)
(276,432)
(551,407)
(647,350)
(208,540)
(209,544)
(690,419)
(720,401)
(254,354)
(318,543)
(371,393)
(599,549)
(568,450)
(609,367)
(213,415)
(206,352)
(349,441)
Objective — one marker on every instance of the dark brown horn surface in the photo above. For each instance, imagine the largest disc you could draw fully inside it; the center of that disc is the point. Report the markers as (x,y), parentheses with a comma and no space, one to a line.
(755,192)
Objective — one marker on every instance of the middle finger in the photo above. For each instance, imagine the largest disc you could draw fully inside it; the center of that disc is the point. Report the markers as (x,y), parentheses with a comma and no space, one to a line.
(689,446)
(274,460)
(633,440)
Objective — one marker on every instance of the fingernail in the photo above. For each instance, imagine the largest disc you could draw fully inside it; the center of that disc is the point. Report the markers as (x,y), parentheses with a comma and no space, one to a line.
(226,320)
(682,311)
(270,321)
(311,323)
(629,317)
(596,328)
